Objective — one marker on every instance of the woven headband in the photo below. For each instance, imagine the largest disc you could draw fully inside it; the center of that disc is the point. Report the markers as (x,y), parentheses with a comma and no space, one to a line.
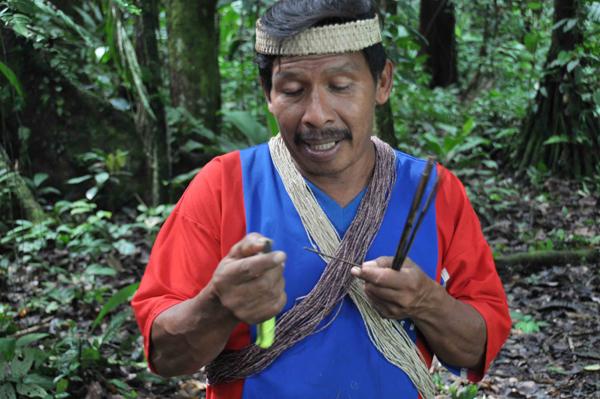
(327,39)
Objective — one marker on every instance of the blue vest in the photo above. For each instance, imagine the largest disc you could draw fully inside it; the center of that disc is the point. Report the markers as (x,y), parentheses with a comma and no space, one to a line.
(338,361)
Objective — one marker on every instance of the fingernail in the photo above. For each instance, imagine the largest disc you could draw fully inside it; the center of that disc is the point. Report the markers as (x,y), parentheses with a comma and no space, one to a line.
(355,271)
(370,263)
(267,245)
(279,257)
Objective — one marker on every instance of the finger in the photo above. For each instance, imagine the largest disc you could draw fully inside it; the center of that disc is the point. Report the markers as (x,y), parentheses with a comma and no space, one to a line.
(271,281)
(251,244)
(385,309)
(384,262)
(383,294)
(383,277)
(255,267)
(261,299)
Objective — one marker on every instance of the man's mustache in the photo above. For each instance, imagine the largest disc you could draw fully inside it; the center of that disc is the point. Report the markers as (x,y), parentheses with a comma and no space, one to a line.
(327,134)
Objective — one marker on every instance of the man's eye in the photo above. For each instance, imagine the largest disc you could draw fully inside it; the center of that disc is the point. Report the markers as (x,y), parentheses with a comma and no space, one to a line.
(339,88)
(292,92)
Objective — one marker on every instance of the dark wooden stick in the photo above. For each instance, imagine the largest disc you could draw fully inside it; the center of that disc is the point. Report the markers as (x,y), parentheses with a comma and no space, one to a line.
(408,233)
(422,214)
(402,250)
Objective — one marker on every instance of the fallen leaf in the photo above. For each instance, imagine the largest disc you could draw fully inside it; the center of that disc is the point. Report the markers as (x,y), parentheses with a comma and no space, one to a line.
(592,367)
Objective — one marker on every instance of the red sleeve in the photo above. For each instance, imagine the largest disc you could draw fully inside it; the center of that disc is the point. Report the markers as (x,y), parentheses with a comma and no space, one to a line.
(206,222)
(469,265)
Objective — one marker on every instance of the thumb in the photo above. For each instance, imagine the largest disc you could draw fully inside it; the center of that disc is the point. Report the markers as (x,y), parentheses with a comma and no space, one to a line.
(374,270)
(250,245)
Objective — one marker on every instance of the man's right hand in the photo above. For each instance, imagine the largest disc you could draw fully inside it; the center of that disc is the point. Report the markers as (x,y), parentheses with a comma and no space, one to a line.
(250,283)
(247,286)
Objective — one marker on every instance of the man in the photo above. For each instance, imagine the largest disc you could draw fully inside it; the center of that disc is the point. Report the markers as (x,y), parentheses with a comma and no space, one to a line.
(325,183)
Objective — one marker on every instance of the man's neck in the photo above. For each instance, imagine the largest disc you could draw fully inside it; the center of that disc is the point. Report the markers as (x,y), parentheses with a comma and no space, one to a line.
(345,186)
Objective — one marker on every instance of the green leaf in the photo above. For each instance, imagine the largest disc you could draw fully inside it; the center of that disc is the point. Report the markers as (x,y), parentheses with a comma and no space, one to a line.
(126,5)
(115,324)
(184,178)
(12,79)
(7,348)
(120,297)
(570,24)
(572,65)
(527,327)
(192,145)
(592,367)
(468,126)
(80,179)
(31,391)
(91,193)
(531,40)
(101,178)
(62,385)
(534,5)
(36,379)
(19,24)
(90,354)
(99,270)
(557,139)
(564,57)
(120,104)
(594,12)
(448,128)
(597,97)
(125,248)
(81,206)
(20,367)
(39,178)
(7,391)
(247,124)
(433,144)
(29,339)
(271,122)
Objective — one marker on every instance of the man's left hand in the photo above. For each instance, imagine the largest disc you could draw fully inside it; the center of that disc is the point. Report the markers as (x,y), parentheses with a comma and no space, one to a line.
(396,294)
(454,330)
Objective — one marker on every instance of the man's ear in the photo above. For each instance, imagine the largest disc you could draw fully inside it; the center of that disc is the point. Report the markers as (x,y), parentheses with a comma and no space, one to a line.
(384,83)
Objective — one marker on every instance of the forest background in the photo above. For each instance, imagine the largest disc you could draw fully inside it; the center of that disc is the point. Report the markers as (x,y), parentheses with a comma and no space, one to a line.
(108,108)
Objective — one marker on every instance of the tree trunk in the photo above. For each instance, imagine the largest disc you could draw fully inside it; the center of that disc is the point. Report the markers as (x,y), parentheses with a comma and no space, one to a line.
(153,132)
(436,24)
(32,209)
(384,113)
(193,58)
(561,131)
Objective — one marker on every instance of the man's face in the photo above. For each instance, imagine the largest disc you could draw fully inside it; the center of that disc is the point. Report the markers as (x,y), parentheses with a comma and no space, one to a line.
(324,106)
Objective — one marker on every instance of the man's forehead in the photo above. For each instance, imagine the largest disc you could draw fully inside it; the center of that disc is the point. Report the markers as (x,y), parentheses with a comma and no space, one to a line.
(346,62)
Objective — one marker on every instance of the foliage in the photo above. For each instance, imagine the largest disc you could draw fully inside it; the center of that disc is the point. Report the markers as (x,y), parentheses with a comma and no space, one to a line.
(526,323)
(12,78)
(88,279)
(455,390)
(103,169)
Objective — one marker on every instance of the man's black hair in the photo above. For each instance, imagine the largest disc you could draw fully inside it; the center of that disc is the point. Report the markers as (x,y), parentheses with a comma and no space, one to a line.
(287,18)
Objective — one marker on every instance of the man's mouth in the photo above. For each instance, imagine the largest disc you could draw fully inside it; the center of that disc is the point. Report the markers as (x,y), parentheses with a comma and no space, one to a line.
(324,141)
(322,146)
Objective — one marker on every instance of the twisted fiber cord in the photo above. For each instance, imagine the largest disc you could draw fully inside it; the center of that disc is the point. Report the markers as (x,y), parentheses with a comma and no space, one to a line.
(387,335)
(304,318)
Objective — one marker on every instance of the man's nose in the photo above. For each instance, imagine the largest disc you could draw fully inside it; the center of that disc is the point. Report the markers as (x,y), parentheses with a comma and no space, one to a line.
(318,112)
